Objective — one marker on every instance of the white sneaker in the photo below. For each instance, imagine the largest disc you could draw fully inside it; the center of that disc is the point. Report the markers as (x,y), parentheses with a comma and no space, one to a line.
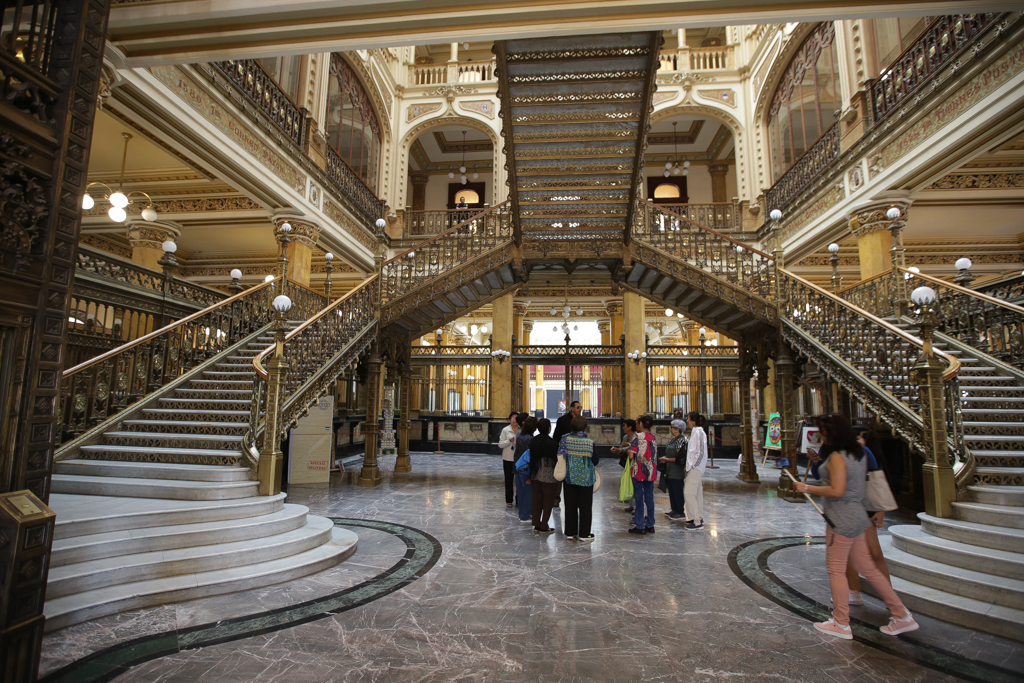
(901,625)
(856,598)
(833,629)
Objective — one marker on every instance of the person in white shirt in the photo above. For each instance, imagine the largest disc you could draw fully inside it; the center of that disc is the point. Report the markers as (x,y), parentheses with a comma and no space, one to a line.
(696,461)
(507,444)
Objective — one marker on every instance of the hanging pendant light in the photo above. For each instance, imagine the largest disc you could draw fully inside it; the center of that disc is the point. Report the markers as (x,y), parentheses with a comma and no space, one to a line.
(119,200)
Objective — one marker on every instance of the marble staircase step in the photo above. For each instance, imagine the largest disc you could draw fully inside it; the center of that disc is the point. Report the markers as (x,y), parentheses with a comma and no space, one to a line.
(152,488)
(108,571)
(200,456)
(175,440)
(79,607)
(200,403)
(151,470)
(981,401)
(183,426)
(913,539)
(227,383)
(968,370)
(996,590)
(997,495)
(979,417)
(215,392)
(996,515)
(79,515)
(988,382)
(981,616)
(150,539)
(974,533)
(229,374)
(209,414)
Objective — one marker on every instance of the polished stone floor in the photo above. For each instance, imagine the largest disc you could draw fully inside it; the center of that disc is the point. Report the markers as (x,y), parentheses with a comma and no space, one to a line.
(447,585)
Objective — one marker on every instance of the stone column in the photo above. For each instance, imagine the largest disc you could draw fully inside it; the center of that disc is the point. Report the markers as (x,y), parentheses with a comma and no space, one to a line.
(635,376)
(604,327)
(146,238)
(937,472)
(304,236)
(718,172)
(501,372)
(402,461)
(527,329)
(419,190)
(615,396)
(748,465)
(370,474)
(874,232)
(784,366)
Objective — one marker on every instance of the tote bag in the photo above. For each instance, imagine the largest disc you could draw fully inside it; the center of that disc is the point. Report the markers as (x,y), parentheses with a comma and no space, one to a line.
(626,482)
(560,469)
(877,494)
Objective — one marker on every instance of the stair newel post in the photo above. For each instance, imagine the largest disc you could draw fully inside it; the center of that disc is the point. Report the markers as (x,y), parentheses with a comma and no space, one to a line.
(784,366)
(369,475)
(268,472)
(748,466)
(937,472)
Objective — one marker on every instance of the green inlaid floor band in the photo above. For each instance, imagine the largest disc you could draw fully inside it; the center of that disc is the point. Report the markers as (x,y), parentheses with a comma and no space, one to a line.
(422,553)
(749,561)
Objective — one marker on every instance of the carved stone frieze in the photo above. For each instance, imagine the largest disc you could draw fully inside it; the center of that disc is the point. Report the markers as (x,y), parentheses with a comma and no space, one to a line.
(482,107)
(972,181)
(336,214)
(725,96)
(304,231)
(871,218)
(171,206)
(416,111)
(152,234)
(104,243)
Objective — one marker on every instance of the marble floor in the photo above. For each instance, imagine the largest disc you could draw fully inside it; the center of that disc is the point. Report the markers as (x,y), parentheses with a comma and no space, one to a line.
(447,585)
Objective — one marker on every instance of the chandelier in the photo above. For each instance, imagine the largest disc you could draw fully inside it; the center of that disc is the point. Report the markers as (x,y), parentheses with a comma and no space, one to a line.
(119,200)
(462,169)
(672,165)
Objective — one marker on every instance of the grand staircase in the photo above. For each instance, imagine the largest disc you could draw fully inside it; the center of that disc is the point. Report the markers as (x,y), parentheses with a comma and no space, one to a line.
(163,507)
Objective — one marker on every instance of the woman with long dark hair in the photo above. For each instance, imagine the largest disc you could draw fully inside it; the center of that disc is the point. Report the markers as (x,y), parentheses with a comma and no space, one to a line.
(524,494)
(696,461)
(543,458)
(843,481)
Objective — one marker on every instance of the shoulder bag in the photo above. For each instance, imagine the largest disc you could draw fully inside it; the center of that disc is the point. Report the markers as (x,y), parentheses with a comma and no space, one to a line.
(877,494)
(560,469)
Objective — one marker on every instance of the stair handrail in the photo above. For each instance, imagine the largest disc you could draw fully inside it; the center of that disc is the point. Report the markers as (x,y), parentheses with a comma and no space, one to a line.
(317,351)
(444,216)
(985,322)
(876,352)
(706,248)
(100,387)
(409,269)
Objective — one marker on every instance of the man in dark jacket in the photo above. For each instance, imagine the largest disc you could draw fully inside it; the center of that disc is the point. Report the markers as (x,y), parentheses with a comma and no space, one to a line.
(564,424)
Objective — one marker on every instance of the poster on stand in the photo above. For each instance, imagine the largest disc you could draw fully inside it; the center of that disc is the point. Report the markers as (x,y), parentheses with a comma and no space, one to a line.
(773,434)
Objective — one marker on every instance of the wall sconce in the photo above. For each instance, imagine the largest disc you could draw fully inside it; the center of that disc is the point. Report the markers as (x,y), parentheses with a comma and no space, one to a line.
(637,355)
(501,355)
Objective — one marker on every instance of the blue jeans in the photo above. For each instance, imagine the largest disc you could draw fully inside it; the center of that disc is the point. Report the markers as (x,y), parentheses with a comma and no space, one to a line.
(643,495)
(524,495)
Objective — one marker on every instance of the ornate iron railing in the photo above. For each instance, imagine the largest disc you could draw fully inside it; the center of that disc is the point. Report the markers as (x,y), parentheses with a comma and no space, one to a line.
(705,248)
(692,351)
(262,91)
(717,216)
(317,352)
(462,243)
(875,294)
(571,350)
(351,189)
(819,159)
(869,357)
(122,271)
(425,223)
(107,384)
(942,42)
(448,351)
(991,325)
(1008,288)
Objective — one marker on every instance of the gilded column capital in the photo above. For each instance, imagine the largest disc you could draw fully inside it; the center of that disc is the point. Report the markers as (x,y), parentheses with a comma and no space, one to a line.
(604,326)
(419,178)
(152,234)
(613,307)
(519,308)
(718,169)
(304,231)
(527,326)
(871,217)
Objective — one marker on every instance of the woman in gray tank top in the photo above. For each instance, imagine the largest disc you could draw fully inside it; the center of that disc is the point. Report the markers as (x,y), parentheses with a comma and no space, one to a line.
(843,480)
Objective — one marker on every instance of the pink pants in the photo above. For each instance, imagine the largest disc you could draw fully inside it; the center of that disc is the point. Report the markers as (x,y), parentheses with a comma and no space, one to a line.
(838,550)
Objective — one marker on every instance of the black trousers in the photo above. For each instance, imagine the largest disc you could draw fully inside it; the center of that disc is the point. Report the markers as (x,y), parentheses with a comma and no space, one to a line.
(675,494)
(579,505)
(510,477)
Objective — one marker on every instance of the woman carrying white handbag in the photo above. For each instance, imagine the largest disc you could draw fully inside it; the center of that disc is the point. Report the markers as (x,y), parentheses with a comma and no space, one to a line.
(878,500)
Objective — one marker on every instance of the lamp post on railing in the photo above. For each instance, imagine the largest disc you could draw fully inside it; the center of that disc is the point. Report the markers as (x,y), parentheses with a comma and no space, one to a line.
(938,477)
(169,263)
(837,280)
(236,285)
(328,285)
(780,260)
(268,472)
(282,260)
(897,253)
(964,277)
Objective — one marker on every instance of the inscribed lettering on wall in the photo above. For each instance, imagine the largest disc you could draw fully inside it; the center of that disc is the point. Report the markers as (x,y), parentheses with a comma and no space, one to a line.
(187,89)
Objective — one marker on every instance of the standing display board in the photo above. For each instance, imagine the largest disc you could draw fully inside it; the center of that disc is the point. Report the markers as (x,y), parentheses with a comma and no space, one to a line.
(773,437)
(311,445)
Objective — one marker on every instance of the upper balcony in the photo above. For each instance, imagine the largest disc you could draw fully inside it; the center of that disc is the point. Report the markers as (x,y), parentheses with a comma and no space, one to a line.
(452,72)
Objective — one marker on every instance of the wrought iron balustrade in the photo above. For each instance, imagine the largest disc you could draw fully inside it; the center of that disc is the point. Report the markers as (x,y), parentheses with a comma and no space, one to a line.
(875,294)
(262,91)
(25,56)
(871,358)
(452,248)
(351,189)
(717,216)
(991,325)
(692,351)
(705,248)
(425,223)
(945,39)
(815,162)
(121,271)
(107,384)
(1008,288)
(450,350)
(317,352)
(606,350)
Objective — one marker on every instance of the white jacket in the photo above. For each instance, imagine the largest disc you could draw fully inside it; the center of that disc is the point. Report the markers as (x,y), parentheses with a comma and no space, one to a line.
(507,443)
(697,450)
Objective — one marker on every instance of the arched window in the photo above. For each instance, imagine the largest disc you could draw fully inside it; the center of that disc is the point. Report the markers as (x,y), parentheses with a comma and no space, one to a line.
(467,197)
(352,127)
(805,102)
(666,191)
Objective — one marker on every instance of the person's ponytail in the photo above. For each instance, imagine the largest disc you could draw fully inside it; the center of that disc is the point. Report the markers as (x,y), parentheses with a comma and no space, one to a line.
(697,419)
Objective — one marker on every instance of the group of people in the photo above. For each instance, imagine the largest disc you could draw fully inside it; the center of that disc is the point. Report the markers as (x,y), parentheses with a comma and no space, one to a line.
(531,453)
